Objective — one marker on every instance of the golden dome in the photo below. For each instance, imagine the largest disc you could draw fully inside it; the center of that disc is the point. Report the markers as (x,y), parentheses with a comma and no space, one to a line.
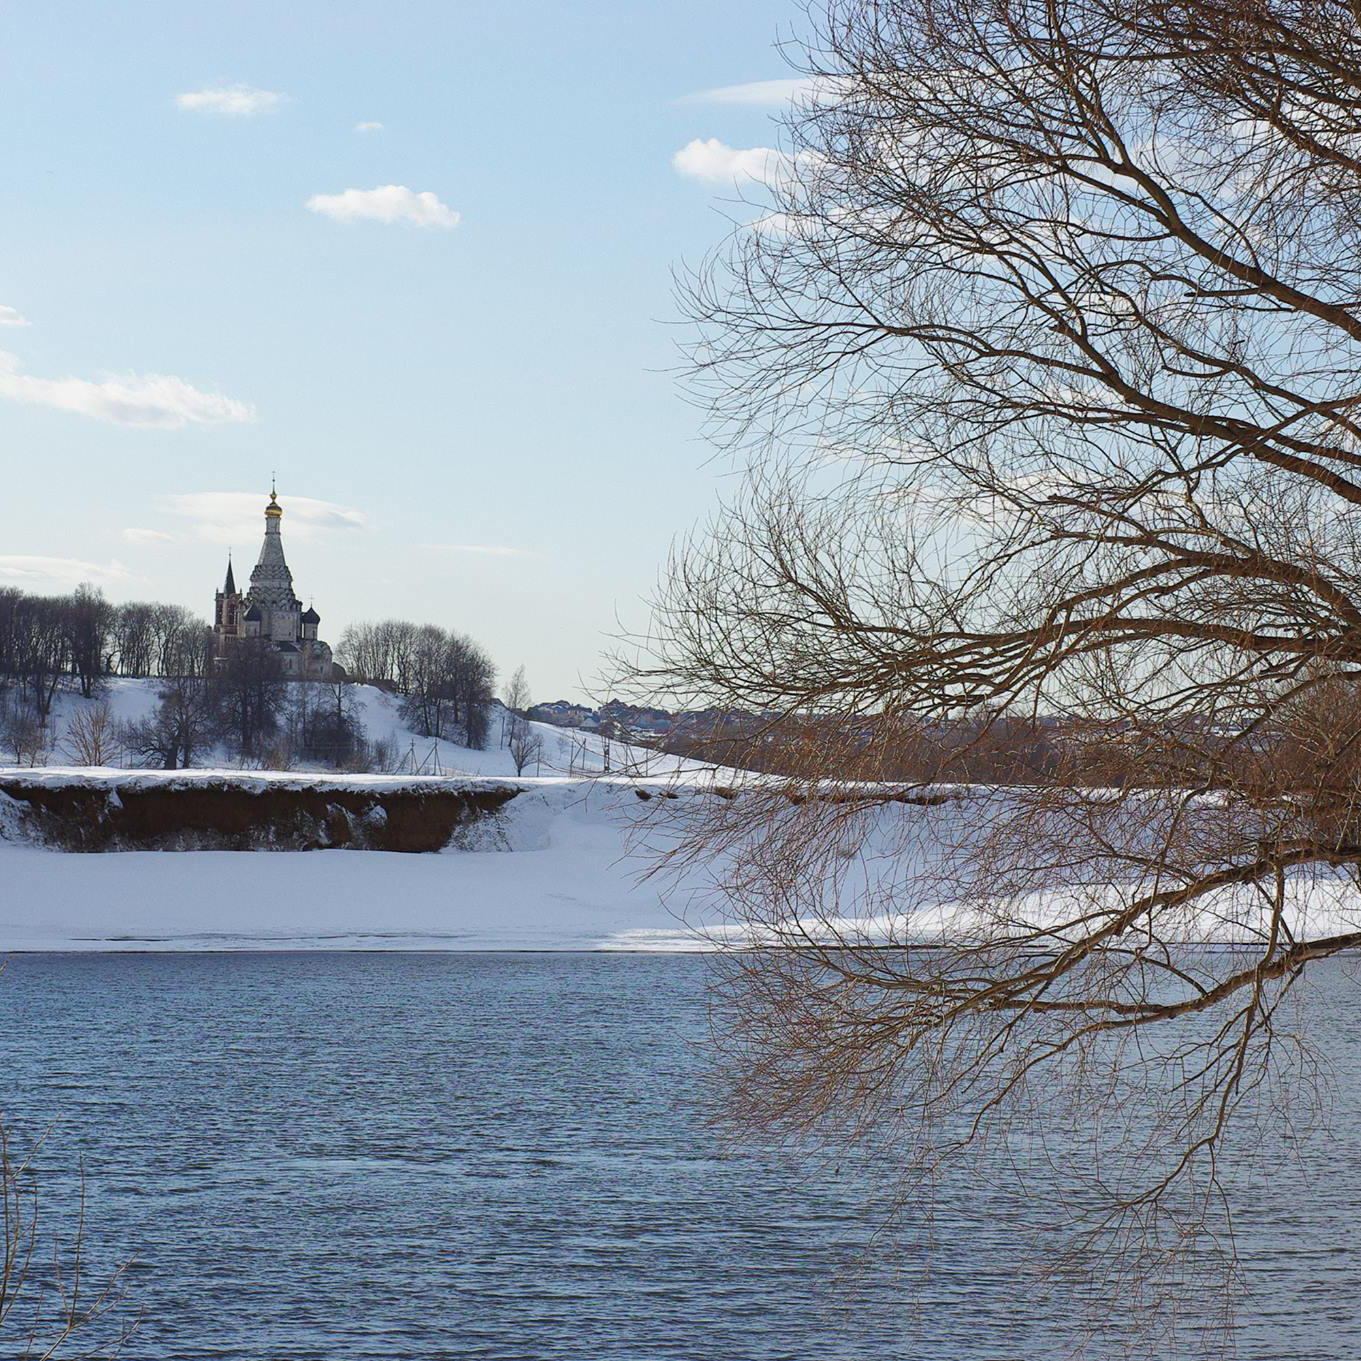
(274,510)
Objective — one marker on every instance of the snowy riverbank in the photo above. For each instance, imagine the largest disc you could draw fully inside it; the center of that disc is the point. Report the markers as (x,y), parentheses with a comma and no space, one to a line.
(560,868)
(573,877)
(562,865)
(558,861)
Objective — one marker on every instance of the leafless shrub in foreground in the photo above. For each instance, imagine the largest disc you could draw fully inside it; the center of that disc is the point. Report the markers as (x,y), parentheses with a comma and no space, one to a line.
(1044,356)
(48,1309)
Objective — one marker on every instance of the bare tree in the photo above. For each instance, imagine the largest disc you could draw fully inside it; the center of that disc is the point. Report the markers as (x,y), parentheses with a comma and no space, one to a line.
(383,756)
(516,698)
(22,731)
(1043,352)
(360,652)
(444,678)
(446,685)
(428,694)
(525,744)
(250,690)
(46,638)
(88,618)
(473,676)
(132,640)
(91,737)
(183,642)
(34,644)
(516,732)
(185,720)
(328,727)
(188,713)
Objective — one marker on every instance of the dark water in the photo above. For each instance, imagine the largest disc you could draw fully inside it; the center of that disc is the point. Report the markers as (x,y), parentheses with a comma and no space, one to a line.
(354,1156)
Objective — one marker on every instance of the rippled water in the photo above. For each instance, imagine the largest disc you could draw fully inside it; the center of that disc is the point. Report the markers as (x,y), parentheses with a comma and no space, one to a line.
(403,1155)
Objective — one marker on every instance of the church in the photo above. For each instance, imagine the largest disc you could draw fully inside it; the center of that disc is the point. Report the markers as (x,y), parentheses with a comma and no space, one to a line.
(270,611)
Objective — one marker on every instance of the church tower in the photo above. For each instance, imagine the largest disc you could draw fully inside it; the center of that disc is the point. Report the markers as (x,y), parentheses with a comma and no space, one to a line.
(270,611)
(227,611)
(271,583)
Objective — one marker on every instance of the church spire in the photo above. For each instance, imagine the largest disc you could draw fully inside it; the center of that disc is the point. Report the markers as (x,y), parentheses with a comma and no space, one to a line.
(271,583)
(230,587)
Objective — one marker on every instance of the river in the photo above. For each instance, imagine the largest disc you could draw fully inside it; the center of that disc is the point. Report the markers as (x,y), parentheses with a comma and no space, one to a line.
(351,1155)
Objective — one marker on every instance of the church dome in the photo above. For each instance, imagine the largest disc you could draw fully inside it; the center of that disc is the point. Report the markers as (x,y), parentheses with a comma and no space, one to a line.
(274,510)
(310,616)
(253,614)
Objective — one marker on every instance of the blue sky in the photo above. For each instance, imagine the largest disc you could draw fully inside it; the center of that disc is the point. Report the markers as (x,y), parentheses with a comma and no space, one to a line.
(464,380)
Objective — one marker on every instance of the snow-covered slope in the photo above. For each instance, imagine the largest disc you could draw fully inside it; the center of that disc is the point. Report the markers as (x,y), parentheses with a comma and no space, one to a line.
(564,751)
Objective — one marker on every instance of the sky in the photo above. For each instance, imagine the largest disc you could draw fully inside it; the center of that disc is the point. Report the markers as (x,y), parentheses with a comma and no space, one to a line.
(414,258)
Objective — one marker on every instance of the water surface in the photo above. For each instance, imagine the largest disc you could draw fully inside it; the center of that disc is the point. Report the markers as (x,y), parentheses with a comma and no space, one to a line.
(351,1156)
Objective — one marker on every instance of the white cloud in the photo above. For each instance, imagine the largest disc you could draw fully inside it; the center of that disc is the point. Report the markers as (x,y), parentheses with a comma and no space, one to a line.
(387,203)
(765,94)
(149,536)
(62,572)
(152,399)
(368,127)
(775,224)
(240,101)
(237,517)
(715,162)
(9,316)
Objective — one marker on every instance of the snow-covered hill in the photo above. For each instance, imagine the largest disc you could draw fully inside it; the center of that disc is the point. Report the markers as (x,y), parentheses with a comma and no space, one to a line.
(562,869)
(563,751)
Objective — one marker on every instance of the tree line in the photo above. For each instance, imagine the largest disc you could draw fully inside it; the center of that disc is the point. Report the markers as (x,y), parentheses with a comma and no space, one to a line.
(44,638)
(248,706)
(244,706)
(243,702)
(444,678)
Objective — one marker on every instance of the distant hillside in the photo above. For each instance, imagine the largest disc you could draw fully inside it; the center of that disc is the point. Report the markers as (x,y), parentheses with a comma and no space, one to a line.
(563,751)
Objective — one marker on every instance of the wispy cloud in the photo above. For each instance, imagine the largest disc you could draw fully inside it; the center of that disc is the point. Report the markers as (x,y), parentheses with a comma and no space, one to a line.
(764,94)
(153,399)
(387,203)
(368,127)
(149,536)
(9,316)
(63,572)
(237,517)
(237,101)
(489,550)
